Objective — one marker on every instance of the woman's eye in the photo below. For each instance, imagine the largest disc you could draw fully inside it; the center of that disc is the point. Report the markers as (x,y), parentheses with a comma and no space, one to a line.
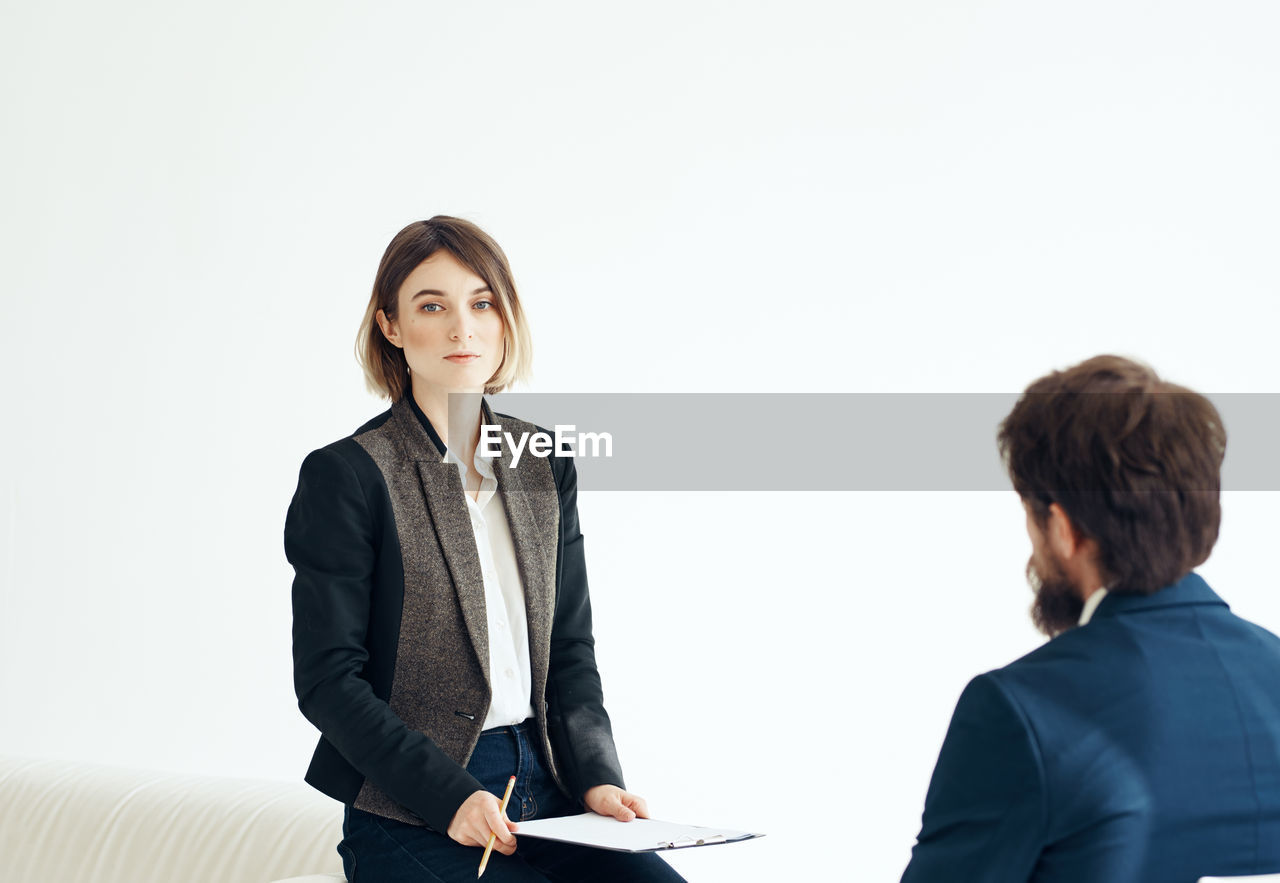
(482,305)
(432,308)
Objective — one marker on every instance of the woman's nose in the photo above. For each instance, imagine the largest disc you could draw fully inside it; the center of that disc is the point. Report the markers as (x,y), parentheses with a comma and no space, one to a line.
(461,329)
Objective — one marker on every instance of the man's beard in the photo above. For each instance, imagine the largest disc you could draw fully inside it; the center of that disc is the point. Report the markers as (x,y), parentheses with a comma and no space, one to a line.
(1058,604)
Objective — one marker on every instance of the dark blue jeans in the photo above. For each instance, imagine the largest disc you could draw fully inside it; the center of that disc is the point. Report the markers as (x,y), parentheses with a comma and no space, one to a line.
(375,849)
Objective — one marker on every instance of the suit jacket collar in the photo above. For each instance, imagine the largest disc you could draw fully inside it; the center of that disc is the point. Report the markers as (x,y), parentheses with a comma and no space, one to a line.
(408,405)
(1191,589)
(432,435)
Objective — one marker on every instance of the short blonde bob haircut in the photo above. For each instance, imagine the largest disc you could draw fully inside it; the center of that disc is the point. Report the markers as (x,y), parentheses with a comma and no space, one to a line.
(386,372)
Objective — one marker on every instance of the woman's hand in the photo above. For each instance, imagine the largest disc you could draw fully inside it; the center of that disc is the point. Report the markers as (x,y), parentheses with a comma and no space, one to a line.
(610,800)
(479,816)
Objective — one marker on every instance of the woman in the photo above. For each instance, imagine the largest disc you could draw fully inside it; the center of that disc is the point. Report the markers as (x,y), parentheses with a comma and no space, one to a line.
(442,627)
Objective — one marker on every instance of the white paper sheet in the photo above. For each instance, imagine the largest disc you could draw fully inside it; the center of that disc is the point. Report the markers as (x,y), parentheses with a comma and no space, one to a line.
(637,835)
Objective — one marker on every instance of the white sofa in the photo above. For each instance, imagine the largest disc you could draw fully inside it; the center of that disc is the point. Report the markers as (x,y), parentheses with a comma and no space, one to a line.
(71,822)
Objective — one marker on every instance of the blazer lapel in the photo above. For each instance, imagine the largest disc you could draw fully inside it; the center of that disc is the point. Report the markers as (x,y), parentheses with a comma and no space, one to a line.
(442,488)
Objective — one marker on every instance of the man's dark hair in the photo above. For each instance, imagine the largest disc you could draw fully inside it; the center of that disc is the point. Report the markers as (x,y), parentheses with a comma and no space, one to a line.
(1133,460)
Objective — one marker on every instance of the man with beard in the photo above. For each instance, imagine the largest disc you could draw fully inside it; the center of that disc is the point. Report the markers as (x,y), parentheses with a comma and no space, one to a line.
(1141,744)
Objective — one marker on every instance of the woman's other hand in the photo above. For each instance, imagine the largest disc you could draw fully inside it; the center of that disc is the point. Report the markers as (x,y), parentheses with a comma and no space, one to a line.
(610,800)
(479,816)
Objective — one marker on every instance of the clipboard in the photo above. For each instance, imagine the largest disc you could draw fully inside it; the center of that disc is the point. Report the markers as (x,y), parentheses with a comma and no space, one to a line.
(637,835)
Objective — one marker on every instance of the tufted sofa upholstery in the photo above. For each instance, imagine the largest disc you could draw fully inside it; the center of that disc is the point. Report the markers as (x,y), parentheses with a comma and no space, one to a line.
(72,822)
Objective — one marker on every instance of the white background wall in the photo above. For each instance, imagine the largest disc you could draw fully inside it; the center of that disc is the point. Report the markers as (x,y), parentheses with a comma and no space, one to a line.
(714,197)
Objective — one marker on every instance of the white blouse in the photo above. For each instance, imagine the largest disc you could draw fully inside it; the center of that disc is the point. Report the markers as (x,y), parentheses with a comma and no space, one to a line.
(509,672)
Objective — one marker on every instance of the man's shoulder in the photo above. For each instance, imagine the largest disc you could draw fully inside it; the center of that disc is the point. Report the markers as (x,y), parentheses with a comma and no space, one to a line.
(1123,653)
(1053,668)
(1263,636)
(1078,646)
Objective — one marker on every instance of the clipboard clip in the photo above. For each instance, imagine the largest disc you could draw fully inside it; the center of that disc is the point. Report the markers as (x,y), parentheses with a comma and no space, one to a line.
(691,841)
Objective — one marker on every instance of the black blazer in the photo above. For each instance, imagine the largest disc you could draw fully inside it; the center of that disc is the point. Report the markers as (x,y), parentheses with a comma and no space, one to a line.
(390,641)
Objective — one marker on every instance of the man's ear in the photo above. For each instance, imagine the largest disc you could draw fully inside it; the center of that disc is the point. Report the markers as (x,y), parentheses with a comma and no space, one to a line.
(1061,532)
(390,328)
(1066,540)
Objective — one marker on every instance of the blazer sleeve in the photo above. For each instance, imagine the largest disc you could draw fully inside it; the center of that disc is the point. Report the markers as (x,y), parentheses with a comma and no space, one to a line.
(331,540)
(985,814)
(577,722)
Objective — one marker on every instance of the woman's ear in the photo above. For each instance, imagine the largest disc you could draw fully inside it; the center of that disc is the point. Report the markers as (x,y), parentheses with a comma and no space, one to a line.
(390,328)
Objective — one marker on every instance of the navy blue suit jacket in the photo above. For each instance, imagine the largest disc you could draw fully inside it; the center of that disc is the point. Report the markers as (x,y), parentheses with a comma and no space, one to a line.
(1143,747)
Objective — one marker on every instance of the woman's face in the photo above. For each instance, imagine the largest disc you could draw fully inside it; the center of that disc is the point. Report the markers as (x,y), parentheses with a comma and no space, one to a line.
(448,325)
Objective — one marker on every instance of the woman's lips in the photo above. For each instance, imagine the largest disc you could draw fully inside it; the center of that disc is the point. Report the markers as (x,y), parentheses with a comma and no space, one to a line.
(462,358)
